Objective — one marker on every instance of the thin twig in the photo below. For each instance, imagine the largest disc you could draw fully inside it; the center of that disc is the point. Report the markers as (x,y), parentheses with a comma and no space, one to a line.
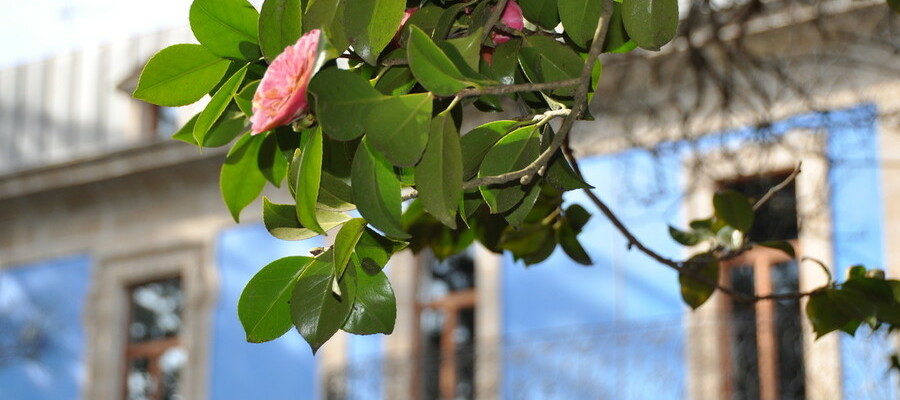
(493,19)
(523,87)
(774,189)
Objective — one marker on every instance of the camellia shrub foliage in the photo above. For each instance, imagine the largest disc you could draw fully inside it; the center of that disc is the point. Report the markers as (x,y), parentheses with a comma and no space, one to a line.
(355,107)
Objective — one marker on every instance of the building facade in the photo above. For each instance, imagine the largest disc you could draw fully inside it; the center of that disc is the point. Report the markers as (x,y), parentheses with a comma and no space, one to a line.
(120,267)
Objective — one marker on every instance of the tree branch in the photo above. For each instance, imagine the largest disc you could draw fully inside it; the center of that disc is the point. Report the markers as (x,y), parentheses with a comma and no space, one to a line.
(522,87)
(777,188)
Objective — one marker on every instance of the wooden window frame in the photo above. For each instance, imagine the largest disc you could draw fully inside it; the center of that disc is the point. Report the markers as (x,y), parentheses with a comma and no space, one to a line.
(761,260)
(449,305)
(152,349)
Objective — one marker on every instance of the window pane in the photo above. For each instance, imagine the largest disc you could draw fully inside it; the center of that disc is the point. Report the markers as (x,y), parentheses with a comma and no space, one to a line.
(789,332)
(744,361)
(454,274)
(139,383)
(464,338)
(431,322)
(171,363)
(156,310)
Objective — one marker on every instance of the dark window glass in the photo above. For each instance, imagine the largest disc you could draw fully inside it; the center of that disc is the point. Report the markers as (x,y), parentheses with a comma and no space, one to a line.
(789,332)
(744,356)
(777,218)
(139,382)
(154,358)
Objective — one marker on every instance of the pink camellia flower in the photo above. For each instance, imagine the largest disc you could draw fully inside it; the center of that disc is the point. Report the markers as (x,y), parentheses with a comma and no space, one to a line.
(281,96)
(511,17)
(406,14)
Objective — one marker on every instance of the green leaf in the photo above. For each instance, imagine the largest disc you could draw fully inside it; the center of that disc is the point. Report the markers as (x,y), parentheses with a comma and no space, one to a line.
(579,18)
(439,174)
(856,271)
(375,307)
(376,190)
(559,173)
(398,127)
(315,310)
(511,153)
(179,75)
(693,291)
(335,194)
(264,307)
(824,314)
(228,28)
(271,161)
(343,99)
(505,62)
(281,221)
(397,80)
(519,212)
(327,15)
(577,217)
(309,176)
(541,12)
(780,245)
(431,67)
(568,239)
(371,24)
(734,208)
(650,23)
(617,39)
(241,181)
(684,238)
(280,25)
(244,98)
(186,132)
(374,249)
(895,5)
(344,243)
(546,60)
(225,130)
(852,302)
(217,105)
(469,48)
(476,143)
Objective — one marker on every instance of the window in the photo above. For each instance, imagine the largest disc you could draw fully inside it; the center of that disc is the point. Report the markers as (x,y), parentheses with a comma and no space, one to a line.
(163,121)
(446,338)
(763,354)
(154,357)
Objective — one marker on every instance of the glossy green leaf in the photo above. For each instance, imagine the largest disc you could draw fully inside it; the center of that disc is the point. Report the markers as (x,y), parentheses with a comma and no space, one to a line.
(217,104)
(431,67)
(853,303)
(186,132)
(559,173)
(264,306)
(280,25)
(617,39)
(376,191)
(345,243)
(371,24)
(281,221)
(511,153)
(519,212)
(244,98)
(786,247)
(685,238)
(577,217)
(476,143)
(398,127)
(375,250)
(541,12)
(179,75)
(375,307)
(271,161)
(469,48)
(695,292)
(505,62)
(546,60)
(335,194)
(734,208)
(439,174)
(327,15)
(315,310)
(343,99)
(240,180)
(227,28)
(568,240)
(308,177)
(824,314)
(579,18)
(650,23)
(397,80)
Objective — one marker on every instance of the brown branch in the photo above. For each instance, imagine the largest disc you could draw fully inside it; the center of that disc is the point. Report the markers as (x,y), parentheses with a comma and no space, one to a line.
(778,187)
(493,19)
(523,87)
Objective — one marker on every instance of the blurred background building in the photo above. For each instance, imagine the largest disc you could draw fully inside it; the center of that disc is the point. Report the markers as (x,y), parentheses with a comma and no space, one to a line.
(120,268)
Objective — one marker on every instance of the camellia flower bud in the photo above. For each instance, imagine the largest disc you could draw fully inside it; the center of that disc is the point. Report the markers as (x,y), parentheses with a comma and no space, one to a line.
(281,96)
(511,17)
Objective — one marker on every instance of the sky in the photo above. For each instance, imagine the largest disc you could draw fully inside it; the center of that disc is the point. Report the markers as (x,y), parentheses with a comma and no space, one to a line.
(36,29)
